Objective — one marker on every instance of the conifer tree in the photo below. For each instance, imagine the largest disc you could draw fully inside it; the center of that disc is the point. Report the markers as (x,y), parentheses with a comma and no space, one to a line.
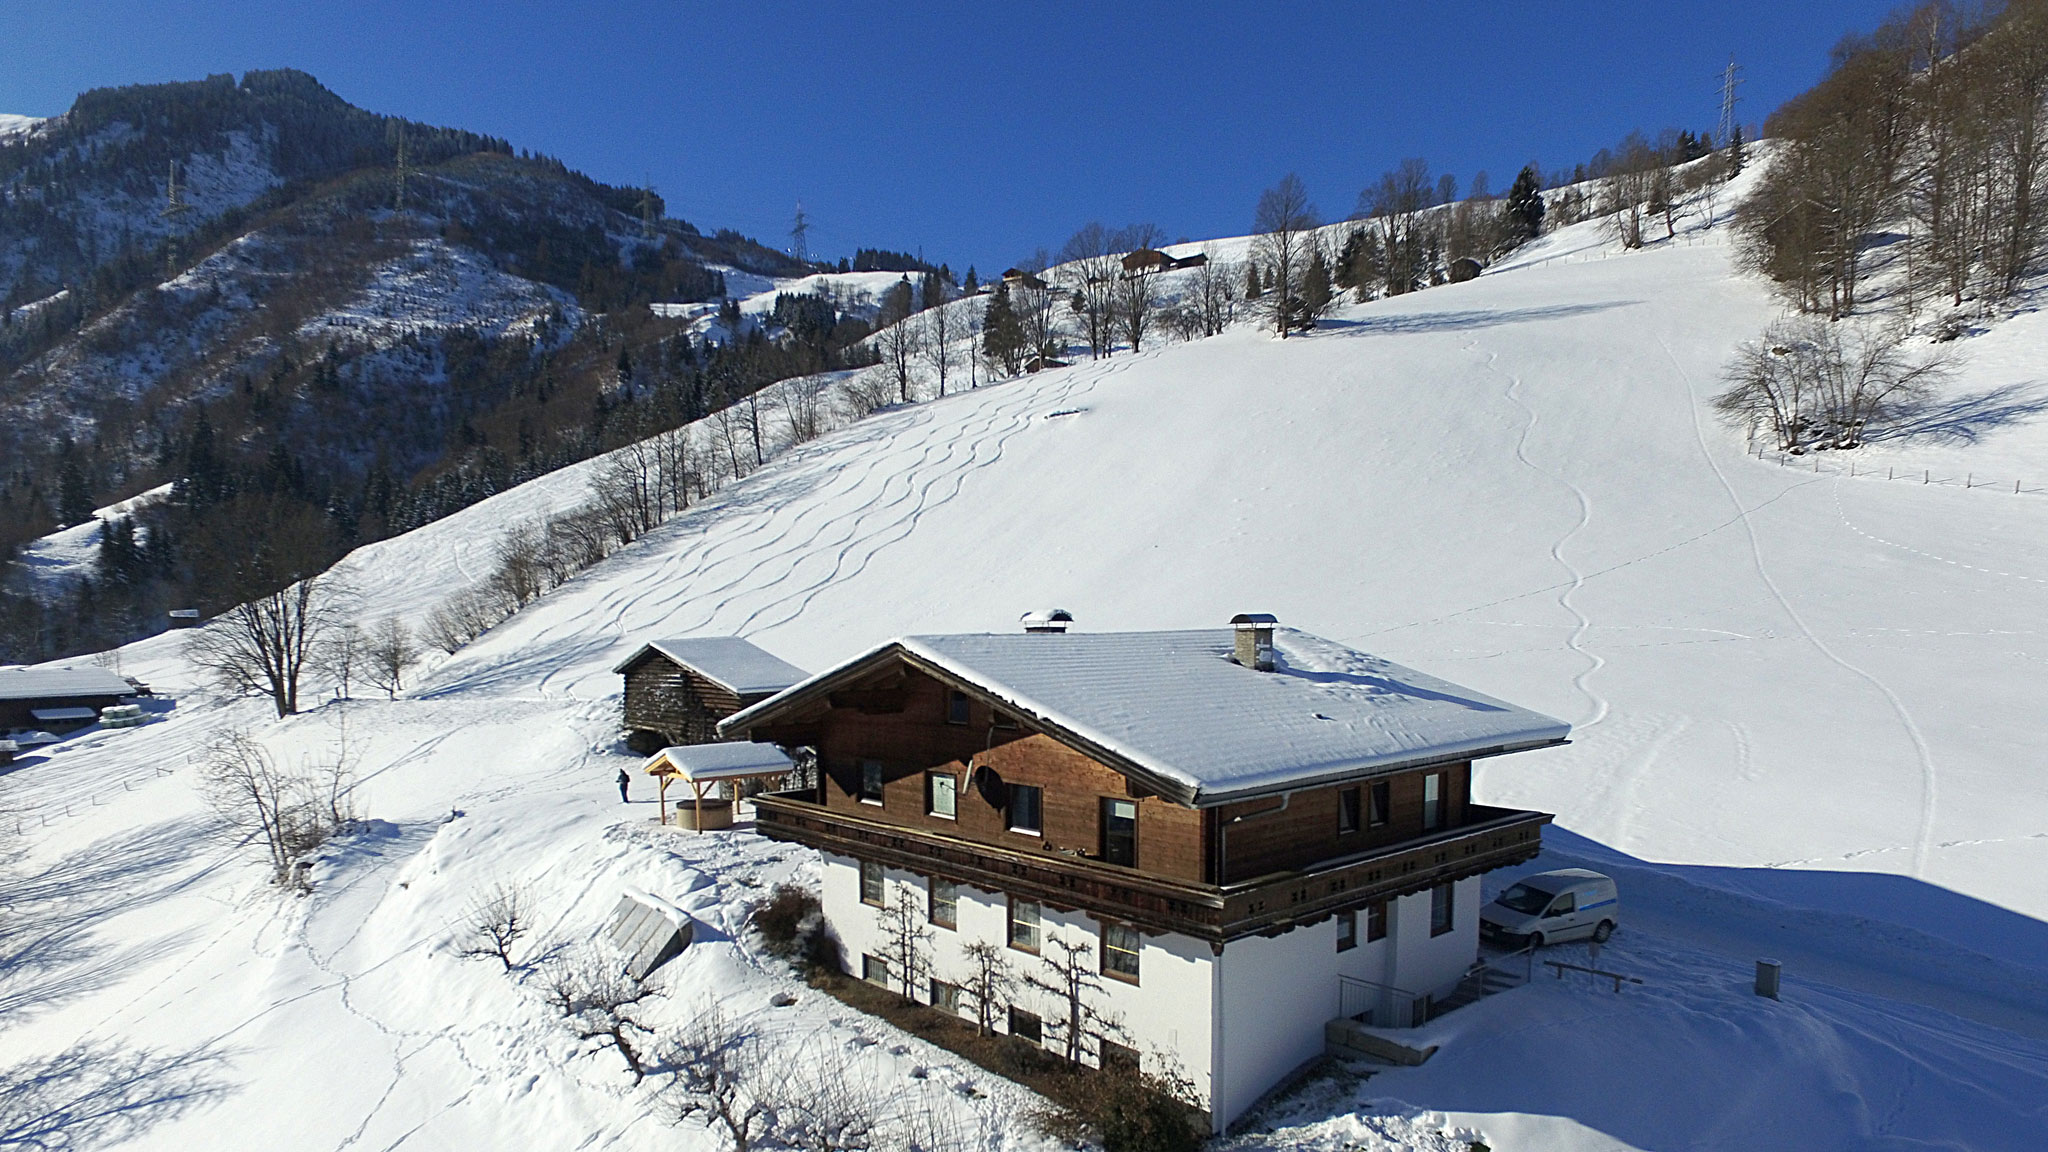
(1524,220)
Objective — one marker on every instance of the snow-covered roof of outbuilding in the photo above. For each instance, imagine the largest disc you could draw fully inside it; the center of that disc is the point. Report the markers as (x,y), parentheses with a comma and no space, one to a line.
(728,761)
(56,683)
(731,661)
(1175,706)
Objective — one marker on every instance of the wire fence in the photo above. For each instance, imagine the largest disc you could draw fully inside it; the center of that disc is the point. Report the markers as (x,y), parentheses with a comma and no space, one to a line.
(1973,481)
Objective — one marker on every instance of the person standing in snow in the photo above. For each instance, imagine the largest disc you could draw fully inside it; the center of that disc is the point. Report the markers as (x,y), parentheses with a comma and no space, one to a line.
(625,781)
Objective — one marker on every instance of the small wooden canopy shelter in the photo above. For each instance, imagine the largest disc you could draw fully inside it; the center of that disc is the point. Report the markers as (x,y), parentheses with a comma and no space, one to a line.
(702,766)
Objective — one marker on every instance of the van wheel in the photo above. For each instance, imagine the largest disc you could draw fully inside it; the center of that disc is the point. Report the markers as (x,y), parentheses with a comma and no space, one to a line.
(1605,930)
(1535,940)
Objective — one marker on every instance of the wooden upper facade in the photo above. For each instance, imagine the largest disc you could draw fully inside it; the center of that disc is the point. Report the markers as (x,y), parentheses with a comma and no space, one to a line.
(927,770)
(677,691)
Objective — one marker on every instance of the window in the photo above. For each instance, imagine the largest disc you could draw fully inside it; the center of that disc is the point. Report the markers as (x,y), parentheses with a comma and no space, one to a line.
(945,909)
(1381,804)
(1120,945)
(1439,909)
(1026,803)
(1432,800)
(1347,810)
(871,781)
(946,997)
(874,970)
(1002,720)
(1375,921)
(1024,924)
(871,883)
(956,707)
(1347,930)
(942,794)
(1025,1026)
(1116,1057)
(1564,905)
(1120,832)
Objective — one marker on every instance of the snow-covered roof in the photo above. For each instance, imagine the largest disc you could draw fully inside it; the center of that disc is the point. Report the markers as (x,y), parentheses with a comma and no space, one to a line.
(729,660)
(54,683)
(718,761)
(1175,706)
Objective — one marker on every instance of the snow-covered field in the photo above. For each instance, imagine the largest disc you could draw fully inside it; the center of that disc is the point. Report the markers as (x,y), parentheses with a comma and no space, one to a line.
(1807,713)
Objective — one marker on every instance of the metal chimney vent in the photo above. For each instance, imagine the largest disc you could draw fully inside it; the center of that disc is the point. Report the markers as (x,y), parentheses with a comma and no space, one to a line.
(1048,620)
(1255,639)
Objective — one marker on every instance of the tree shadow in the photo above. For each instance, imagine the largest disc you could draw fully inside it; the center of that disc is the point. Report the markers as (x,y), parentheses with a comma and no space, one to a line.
(93,1095)
(1465,320)
(52,948)
(1965,419)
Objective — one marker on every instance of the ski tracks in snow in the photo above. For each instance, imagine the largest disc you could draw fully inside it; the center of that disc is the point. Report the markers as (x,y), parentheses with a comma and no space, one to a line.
(1924,839)
(1577,640)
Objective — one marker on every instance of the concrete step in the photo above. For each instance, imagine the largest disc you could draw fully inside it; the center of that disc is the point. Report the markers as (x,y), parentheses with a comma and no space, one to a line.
(1345,1037)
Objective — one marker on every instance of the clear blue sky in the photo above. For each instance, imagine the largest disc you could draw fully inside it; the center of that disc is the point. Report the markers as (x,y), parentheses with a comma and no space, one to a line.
(976,132)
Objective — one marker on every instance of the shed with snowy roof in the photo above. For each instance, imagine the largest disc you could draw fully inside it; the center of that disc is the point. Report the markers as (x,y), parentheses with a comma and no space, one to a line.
(57,699)
(678,690)
(1255,833)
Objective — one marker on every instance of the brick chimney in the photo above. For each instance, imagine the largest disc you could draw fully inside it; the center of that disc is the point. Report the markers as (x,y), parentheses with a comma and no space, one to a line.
(1049,621)
(1254,639)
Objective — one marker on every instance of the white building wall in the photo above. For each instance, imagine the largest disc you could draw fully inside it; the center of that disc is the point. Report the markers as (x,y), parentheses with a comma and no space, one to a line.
(1236,1024)
(1166,1013)
(1432,965)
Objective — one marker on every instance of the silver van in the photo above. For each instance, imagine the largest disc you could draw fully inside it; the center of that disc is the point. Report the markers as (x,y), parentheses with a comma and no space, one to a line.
(1568,904)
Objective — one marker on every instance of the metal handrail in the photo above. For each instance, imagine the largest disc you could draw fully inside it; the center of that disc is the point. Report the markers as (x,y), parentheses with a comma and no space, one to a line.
(1377,1000)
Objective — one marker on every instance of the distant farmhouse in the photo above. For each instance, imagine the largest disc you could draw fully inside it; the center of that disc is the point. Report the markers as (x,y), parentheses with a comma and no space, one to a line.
(678,690)
(58,699)
(1249,832)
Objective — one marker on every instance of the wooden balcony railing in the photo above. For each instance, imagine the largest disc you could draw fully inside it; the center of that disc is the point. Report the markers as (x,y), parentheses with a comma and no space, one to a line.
(1490,838)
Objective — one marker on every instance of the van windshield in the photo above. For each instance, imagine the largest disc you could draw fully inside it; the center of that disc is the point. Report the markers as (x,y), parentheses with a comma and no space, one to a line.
(1524,899)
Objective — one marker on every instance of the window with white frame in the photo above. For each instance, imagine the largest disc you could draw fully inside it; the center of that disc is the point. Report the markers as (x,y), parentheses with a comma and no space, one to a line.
(1027,808)
(1432,800)
(1024,927)
(1347,930)
(942,794)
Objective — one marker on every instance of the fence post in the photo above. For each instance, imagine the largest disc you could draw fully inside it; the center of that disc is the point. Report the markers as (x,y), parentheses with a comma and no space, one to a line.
(1969,479)
(1923,475)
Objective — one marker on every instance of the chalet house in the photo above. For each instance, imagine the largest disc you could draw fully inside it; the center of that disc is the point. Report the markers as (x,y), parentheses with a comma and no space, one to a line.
(1198,260)
(1253,831)
(1145,260)
(678,690)
(58,699)
(1024,279)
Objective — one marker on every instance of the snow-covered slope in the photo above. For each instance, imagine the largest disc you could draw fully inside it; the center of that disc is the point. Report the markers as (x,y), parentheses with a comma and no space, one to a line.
(1806,714)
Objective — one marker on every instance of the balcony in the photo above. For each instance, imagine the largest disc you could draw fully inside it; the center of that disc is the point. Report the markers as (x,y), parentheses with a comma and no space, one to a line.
(1490,838)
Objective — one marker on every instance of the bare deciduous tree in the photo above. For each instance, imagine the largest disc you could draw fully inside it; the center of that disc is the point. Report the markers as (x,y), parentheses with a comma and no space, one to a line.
(1283,217)
(907,940)
(600,1002)
(1815,382)
(1072,978)
(285,812)
(392,653)
(990,981)
(496,919)
(717,1079)
(262,646)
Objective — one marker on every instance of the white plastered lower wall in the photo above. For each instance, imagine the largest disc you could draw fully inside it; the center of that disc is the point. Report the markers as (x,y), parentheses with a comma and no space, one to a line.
(1165,1015)
(1235,1024)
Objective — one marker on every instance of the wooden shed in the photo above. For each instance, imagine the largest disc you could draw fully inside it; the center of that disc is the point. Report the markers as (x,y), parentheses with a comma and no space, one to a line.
(678,690)
(58,699)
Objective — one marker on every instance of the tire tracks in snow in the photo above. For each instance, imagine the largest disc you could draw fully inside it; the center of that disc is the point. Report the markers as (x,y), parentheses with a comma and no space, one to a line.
(1923,841)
